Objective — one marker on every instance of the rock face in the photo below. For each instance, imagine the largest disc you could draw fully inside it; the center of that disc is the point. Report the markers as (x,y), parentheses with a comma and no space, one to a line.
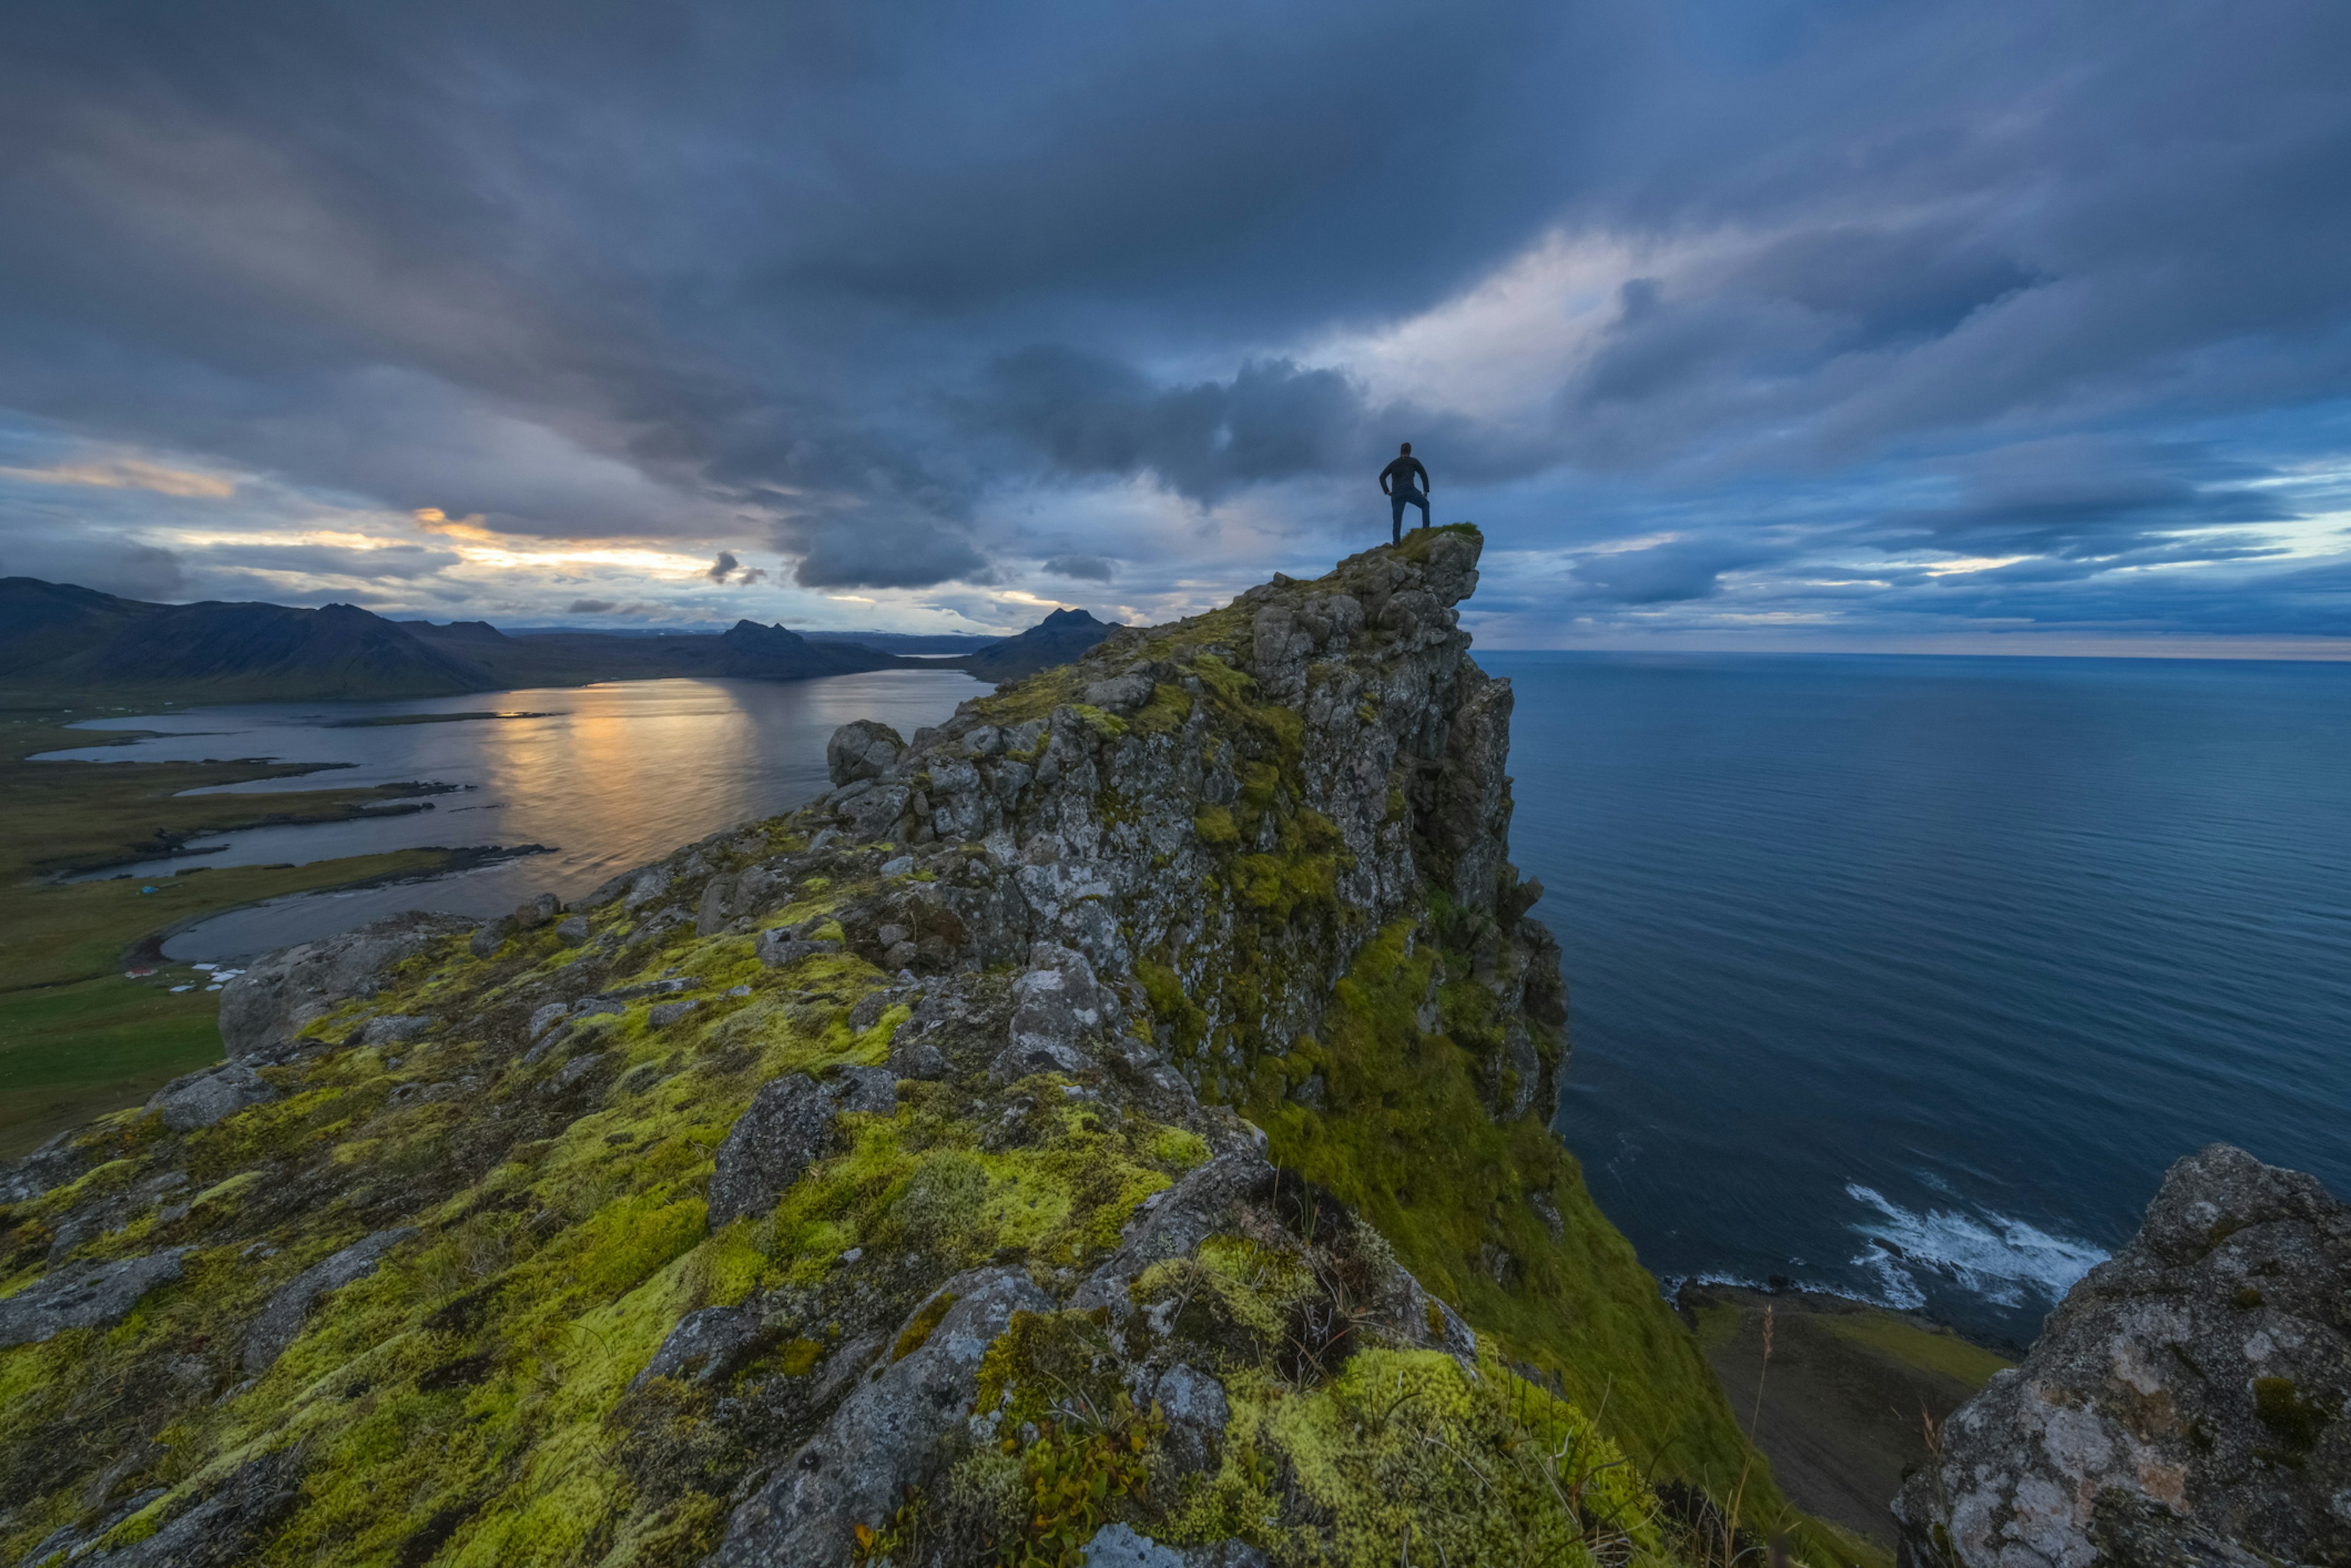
(878,1442)
(2185,1403)
(1137,824)
(200,1099)
(83,1296)
(281,1320)
(264,1009)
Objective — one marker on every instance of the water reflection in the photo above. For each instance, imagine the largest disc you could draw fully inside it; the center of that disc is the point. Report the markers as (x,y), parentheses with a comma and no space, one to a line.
(609,776)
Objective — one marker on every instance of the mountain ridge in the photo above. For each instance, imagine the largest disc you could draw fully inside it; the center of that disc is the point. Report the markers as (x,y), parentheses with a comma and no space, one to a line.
(57,638)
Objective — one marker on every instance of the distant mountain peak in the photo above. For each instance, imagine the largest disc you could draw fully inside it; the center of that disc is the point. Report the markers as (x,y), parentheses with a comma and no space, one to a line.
(1060,618)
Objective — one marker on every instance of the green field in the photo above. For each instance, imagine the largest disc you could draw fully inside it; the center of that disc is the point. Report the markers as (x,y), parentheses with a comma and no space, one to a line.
(78,1035)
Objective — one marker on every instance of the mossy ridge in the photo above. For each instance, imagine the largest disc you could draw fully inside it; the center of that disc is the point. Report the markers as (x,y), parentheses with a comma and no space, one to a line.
(470,1392)
(1409,1143)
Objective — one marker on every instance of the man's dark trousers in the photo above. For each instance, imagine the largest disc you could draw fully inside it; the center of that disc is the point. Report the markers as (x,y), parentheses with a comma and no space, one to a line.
(1404,496)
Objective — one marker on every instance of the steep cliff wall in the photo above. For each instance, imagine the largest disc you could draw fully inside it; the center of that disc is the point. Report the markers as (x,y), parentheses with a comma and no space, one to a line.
(1120,1110)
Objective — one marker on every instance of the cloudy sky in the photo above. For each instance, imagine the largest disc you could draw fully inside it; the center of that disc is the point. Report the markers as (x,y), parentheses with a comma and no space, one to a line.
(2012,324)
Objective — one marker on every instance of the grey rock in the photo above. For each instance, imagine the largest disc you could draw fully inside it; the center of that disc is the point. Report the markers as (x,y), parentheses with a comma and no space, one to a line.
(1121,693)
(1186,1214)
(1058,1005)
(200,1099)
(715,907)
(281,1318)
(395,1029)
(664,1014)
(537,911)
(788,1126)
(572,930)
(704,1346)
(578,1069)
(865,750)
(918,1060)
(881,1438)
(871,1089)
(1118,1546)
(221,1526)
(2186,1403)
(873,816)
(871,1007)
(898,867)
(778,947)
(545,1018)
(1196,1412)
(83,1296)
(263,1009)
(646,886)
(1312,1092)
(491,936)
(50,1167)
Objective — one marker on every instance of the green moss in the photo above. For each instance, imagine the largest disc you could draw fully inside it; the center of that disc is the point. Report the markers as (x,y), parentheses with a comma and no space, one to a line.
(2297,1421)
(1408,1144)
(918,1329)
(1404,1457)
(1934,1351)
(1215,826)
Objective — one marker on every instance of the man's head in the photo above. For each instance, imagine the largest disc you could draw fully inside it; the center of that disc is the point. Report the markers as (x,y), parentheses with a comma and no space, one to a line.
(1405,450)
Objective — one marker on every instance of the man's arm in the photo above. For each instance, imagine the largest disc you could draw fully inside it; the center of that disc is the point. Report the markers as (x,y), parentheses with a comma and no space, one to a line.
(1426,487)
(1383,479)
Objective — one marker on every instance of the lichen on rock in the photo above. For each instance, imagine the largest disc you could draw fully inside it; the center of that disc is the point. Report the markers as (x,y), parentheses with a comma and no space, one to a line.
(2184,1404)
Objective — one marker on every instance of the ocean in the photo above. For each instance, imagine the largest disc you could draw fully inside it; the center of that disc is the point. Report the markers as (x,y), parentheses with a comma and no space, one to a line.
(1906,977)
(1903,977)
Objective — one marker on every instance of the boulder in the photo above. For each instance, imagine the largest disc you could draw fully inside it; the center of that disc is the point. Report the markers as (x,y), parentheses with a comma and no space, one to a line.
(862,749)
(200,1099)
(705,1345)
(572,930)
(1196,1412)
(281,1318)
(788,1126)
(2186,1403)
(1119,1546)
(537,912)
(881,1440)
(395,1030)
(264,1009)
(1057,1003)
(84,1296)
(224,1526)
(491,936)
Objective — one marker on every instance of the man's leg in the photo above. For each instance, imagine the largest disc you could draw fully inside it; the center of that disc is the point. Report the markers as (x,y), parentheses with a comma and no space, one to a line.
(1395,515)
(1422,502)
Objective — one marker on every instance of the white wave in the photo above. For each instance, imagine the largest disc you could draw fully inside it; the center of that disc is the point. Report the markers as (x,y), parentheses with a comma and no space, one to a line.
(1991,1256)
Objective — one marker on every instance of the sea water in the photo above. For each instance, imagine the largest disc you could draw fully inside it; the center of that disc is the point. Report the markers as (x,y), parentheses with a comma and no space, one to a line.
(1906,977)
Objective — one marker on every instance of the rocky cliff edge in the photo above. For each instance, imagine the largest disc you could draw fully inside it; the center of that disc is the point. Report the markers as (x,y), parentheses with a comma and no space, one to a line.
(1111,1123)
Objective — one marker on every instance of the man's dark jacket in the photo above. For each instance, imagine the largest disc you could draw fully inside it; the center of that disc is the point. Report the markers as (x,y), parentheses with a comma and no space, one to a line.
(1401,472)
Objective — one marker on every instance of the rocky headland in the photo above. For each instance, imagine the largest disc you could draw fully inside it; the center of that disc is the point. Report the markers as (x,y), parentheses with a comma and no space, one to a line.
(1109,1127)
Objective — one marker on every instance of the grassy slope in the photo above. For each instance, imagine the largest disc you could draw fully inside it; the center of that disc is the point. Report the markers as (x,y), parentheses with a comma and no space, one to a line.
(78,1038)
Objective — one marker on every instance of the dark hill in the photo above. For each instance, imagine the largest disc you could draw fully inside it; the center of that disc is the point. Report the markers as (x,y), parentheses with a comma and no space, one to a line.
(1063,636)
(60,640)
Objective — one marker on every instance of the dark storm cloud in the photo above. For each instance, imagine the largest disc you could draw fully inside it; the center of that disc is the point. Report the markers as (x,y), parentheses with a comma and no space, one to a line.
(834,279)
(1666,573)
(1082,568)
(721,569)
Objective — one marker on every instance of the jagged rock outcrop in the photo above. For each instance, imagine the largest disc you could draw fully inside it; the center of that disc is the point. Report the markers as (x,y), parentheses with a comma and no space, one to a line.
(1115,1105)
(2185,1405)
(264,1010)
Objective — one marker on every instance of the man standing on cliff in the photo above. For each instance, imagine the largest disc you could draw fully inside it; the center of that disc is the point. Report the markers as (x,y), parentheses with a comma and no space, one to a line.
(1395,484)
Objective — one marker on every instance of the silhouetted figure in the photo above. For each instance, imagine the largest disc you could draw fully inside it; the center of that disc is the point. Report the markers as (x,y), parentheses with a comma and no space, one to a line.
(1395,484)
